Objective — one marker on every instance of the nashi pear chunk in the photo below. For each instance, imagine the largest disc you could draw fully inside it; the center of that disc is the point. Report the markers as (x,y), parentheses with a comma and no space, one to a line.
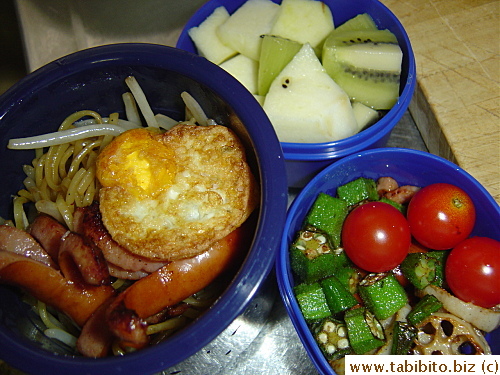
(306,106)
(244,27)
(305,21)
(244,69)
(206,40)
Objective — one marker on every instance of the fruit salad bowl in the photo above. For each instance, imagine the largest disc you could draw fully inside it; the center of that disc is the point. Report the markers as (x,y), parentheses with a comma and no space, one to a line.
(407,167)
(304,159)
(95,79)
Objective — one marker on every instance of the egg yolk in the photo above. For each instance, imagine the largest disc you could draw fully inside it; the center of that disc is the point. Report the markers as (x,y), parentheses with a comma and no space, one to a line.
(137,162)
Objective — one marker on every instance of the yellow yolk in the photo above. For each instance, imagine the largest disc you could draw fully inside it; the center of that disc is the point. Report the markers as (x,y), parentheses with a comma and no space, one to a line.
(137,162)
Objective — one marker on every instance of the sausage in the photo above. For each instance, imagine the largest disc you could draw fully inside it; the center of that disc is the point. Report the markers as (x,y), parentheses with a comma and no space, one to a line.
(80,255)
(21,242)
(48,285)
(48,232)
(127,314)
(88,222)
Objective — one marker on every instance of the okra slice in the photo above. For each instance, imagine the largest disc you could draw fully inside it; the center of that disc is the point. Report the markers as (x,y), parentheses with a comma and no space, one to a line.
(350,277)
(402,337)
(312,301)
(327,214)
(331,337)
(338,297)
(419,269)
(397,205)
(423,309)
(312,257)
(358,190)
(364,330)
(440,256)
(382,294)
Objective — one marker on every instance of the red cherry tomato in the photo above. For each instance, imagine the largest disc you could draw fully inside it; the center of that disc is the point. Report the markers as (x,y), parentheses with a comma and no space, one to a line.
(376,236)
(441,216)
(473,271)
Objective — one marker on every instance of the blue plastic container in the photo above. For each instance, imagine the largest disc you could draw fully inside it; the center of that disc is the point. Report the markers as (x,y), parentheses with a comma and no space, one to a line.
(94,79)
(305,160)
(407,167)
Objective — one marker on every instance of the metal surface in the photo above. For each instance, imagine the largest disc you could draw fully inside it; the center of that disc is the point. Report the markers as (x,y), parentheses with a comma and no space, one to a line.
(263,340)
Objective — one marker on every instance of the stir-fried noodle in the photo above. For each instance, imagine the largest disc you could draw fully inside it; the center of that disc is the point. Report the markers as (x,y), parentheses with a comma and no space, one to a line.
(62,177)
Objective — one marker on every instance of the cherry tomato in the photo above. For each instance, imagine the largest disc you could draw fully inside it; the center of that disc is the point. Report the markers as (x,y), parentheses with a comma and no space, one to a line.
(441,216)
(376,236)
(473,271)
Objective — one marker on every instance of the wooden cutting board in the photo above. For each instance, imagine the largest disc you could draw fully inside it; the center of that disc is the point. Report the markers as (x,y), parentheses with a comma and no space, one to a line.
(456,103)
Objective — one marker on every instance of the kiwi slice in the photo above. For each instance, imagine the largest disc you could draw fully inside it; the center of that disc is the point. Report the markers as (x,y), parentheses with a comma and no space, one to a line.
(276,52)
(362,21)
(366,64)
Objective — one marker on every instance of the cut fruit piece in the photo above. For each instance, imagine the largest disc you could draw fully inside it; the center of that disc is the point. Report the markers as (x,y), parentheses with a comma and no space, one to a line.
(365,116)
(305,105)
(244,27)
(347,38)
(275,54)
(206,40)
(374,56)
(305,21)
(366,64)
(244,69)
(361,22)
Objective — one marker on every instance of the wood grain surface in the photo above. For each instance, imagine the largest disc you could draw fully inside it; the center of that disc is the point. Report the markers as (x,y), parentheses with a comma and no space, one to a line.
(456,104)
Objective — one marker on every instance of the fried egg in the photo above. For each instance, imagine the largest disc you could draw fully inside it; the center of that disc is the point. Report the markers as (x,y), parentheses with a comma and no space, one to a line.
(168,196)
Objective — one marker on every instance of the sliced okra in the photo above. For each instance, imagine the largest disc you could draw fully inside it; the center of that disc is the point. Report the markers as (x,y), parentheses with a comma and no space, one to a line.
(382,294)
(364,330)
(312,301)
(350,277)
(312,257)
(401,208)
(358,190)
(419,269)
(440,256)
(427,305)
(402,337)
(338,297)
(331,336)
(327,214)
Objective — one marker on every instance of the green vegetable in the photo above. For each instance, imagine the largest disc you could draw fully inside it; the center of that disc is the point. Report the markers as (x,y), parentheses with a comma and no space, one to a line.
(423,309)
(349,276)
(358,190)
(338,297)
(312,301)
(440,256)
(402,337)
(327,214)
(364,330)
(397,205)
(382,294)
(419,269)
(331,336)
(312,257)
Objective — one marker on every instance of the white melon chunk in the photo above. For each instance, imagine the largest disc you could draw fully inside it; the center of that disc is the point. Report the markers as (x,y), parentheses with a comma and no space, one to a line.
(305,21)
(365,116)
(244,27)
(206,40)
(306,106)
(244,69)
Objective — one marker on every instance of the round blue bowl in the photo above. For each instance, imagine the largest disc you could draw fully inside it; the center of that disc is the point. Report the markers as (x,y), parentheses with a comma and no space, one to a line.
(305,160)
(94,79)
(408,167)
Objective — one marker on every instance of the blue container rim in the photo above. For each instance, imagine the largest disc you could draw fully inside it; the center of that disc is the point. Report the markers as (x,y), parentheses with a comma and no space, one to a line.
(256,266)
